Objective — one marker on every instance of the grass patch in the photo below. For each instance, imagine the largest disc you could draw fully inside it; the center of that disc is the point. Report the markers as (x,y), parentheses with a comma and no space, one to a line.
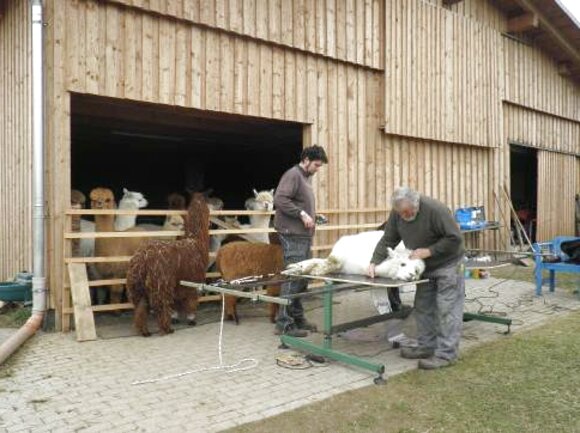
(14,316)
(524,383)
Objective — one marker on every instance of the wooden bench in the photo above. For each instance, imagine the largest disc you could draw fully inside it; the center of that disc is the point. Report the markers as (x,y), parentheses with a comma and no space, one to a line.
(553,248)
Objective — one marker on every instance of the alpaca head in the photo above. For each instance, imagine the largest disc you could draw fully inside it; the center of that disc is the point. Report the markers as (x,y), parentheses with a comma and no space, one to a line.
(176,201)
(77,199)
(102,198)
(401,267)
(132,200)
(263,201)
(174,222)
(214,203)
(197,220)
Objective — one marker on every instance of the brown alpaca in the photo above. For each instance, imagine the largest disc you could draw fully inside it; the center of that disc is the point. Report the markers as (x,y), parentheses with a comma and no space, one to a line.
(103,198)
(176,201)
(242,259)
(158,266)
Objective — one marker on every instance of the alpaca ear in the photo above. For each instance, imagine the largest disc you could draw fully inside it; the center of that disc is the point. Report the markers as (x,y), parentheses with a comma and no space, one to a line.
(272,191)
(125,191)
(391,253)
(255,192)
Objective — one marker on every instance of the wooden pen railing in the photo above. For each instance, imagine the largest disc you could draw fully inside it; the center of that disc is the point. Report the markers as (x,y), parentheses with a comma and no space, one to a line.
(340,222)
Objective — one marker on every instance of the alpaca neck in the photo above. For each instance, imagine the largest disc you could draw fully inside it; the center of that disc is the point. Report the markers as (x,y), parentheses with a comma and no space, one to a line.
(104,223)
(260,222)
(125,222)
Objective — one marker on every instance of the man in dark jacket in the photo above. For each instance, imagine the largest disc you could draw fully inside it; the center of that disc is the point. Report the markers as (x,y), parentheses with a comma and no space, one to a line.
(294,222)
(427,227)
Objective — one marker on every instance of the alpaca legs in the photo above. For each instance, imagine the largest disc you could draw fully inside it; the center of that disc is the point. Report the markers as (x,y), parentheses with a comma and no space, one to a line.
(163,315)
(231,308)
(186,307)
(116,294)
(140,317)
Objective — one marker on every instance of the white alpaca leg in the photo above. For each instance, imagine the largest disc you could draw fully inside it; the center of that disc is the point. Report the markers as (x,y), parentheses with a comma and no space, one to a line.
(305,267)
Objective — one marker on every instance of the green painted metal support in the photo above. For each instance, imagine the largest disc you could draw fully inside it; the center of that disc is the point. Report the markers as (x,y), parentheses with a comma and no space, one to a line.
(307,346)
(326,348)
(487,318)
(327,326)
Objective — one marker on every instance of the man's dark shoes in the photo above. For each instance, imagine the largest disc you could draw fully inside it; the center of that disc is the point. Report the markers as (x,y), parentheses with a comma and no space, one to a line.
(306,325)
(292,331)
(416,352)
(434,363)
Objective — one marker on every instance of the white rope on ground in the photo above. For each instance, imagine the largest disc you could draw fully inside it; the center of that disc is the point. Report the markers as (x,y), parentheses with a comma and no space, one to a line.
(238,366)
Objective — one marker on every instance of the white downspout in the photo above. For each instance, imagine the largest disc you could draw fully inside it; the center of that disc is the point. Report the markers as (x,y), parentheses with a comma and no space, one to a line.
(39,291)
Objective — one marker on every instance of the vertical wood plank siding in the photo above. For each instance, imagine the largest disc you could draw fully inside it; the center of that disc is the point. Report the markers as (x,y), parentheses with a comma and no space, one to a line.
(15,140)
(330,28)
(556,194)
(450,67)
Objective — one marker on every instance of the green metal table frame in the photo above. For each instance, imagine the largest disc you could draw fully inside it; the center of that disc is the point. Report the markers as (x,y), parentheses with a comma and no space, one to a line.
(326,349)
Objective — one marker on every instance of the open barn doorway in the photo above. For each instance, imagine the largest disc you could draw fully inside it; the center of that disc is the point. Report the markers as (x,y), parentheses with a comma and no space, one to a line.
(156,150)
(524,186)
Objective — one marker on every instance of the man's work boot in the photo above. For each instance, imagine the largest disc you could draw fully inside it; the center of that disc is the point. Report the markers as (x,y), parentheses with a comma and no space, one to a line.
(416,352)
(306,325)
(433,363)
(292,331)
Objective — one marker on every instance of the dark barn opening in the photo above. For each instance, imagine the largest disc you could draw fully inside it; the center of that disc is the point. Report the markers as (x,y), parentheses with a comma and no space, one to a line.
(158,149)
(524,186)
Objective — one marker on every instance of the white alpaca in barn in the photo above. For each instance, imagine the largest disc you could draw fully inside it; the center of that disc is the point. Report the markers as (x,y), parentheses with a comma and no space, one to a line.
(262,201)
(352,255)
(132,200)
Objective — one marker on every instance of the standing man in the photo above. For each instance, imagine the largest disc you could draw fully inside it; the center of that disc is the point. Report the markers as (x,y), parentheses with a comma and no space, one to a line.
(294,222)
(427,227)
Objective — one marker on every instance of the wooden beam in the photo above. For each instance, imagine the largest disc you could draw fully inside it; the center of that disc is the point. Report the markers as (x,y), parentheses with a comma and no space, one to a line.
(450,2)
(524,23)
(551,30)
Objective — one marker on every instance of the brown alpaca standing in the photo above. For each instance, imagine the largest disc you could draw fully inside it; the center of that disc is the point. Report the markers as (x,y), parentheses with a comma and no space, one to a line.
(103,198)
(158,266)
(241,259)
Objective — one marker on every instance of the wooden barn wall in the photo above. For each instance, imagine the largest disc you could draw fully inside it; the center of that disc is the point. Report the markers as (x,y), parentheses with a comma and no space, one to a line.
(541,130)
(477,10)
(15,140)
(457,175)
(556,192)
(450,66)
(532,80)
(349,30)
(115,51)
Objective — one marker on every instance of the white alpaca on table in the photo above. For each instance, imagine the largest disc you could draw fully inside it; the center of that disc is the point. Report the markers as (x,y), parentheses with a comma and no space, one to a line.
(352,255)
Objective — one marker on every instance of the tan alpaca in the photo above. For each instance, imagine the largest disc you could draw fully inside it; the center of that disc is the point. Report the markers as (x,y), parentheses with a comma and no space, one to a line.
(103,198)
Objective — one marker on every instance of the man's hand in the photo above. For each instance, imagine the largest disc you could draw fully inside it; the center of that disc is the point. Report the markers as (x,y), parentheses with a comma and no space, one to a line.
(420,253)
(307,220)
(371,270)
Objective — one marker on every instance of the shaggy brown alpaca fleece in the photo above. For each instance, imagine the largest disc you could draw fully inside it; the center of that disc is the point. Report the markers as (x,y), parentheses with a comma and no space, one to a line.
(157,267)
(242,259)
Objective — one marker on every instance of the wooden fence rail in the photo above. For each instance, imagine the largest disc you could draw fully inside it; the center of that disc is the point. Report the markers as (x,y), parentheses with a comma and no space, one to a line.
(70,236)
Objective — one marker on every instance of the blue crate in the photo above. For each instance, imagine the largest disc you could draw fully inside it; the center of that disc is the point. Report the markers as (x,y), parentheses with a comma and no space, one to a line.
(470,218)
